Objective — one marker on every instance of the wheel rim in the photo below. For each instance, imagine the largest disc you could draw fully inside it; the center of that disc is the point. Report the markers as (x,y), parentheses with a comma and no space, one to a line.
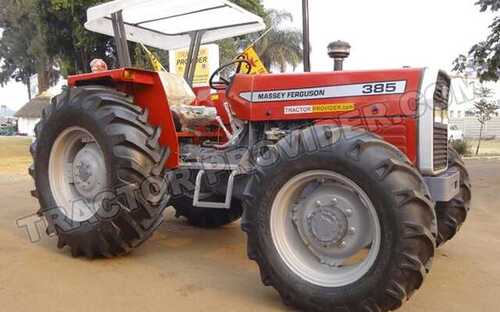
(77,174)
(325,228)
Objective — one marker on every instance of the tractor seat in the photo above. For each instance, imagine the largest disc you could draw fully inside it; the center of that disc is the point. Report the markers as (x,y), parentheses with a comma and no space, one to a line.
(180,98)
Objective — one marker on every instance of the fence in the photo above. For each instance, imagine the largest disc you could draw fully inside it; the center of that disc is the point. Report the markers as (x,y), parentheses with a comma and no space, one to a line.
(470,126)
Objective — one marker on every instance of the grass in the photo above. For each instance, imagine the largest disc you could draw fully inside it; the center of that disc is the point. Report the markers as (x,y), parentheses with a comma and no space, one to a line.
(15,157)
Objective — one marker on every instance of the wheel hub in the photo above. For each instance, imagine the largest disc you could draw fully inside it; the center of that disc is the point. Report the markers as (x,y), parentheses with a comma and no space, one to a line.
(89,171)
(327,225)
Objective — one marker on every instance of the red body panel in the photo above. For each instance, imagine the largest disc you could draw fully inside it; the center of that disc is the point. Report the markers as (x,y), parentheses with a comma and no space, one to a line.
(147,90)
(390,115)
(400,132)
(367,106)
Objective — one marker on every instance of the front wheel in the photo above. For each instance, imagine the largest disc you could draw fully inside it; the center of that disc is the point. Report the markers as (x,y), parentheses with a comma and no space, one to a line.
(349,226)
(452,215)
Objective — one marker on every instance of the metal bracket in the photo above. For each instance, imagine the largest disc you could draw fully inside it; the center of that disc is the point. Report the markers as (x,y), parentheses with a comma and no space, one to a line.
(205,204)
(192,57)
(445,186)
(121,40)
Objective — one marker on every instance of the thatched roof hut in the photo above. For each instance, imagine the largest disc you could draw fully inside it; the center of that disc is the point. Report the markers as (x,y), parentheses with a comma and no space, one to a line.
(29,115)
(34,108)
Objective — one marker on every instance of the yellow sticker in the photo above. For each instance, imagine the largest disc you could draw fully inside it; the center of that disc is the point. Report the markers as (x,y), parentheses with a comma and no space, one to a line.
(321,108)
(330,108)
(214,97)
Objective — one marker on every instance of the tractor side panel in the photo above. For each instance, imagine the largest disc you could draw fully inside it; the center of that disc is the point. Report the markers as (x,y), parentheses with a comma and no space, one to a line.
(306,96)
(383,102)
(148,93)
(399,131)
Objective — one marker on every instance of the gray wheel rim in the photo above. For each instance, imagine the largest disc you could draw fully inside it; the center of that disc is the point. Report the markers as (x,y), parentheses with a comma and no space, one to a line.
(77,174)
(325,228)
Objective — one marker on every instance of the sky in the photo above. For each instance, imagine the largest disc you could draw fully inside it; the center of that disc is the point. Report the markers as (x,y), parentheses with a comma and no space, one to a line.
(382,33)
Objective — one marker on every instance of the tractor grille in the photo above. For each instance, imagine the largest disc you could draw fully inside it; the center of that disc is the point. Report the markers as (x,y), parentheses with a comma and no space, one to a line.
(440,146)
(441,98)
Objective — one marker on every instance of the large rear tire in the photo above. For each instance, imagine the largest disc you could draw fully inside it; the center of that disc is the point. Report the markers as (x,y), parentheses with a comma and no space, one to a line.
(308,208)
(98,172)
(452,215)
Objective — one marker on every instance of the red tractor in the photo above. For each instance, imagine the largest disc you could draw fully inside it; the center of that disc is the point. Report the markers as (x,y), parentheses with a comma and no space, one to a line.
(344,181)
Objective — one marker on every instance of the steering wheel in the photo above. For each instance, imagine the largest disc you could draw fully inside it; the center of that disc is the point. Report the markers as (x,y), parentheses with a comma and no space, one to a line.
(223,83)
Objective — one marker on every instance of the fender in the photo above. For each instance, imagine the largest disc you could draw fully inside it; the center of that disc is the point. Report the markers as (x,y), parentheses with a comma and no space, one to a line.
(147,89)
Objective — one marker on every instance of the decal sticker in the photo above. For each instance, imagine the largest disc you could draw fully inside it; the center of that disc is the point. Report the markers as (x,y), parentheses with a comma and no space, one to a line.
(322,108)
(363,89)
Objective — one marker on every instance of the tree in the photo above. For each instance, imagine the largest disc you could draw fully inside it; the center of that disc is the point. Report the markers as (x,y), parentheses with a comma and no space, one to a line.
(17,45)
(484,110)
(67,39)
(23,46)
(141,60)
(281,46)
(229,47)
(485,55)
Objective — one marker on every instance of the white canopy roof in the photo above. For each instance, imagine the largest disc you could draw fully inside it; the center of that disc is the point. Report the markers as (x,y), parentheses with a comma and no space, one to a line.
(166,24)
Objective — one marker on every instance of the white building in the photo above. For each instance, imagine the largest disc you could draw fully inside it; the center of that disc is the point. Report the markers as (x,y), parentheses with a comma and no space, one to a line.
(29,115)
(463,97)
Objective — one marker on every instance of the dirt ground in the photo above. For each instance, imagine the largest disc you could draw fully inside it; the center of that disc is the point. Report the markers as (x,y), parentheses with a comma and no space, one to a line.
(187,269)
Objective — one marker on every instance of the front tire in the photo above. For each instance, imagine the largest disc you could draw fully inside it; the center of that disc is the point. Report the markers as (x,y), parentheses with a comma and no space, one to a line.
(355,165)
(97,171)
(452,215)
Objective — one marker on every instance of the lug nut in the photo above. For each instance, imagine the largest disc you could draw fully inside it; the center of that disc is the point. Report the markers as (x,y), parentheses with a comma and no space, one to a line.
(318,203)
(352,230)
(343,244)
(348,212)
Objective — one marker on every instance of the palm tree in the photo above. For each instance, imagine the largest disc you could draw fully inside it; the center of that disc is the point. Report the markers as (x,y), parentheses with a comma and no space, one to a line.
(281,46)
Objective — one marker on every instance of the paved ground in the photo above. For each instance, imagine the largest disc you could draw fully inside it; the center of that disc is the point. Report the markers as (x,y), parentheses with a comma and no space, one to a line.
(187,269)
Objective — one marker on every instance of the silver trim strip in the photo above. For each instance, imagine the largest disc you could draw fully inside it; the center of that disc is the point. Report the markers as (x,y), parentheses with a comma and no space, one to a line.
(328,92)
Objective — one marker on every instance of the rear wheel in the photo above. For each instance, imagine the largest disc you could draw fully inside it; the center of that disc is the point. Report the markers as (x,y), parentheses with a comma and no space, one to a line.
(347,227)
(205,217)
(451,215)
(97,171)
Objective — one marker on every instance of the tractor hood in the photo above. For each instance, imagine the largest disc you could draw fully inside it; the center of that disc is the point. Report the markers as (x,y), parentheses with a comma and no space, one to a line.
(343,94)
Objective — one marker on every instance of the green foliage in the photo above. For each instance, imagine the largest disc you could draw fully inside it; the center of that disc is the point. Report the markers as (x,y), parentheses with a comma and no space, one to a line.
(462,147)
(484,109)
(141,60)
(493,5)
(228,48)
(484,57)
(254,6)
(67,39)
(281,46)
(17,42)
